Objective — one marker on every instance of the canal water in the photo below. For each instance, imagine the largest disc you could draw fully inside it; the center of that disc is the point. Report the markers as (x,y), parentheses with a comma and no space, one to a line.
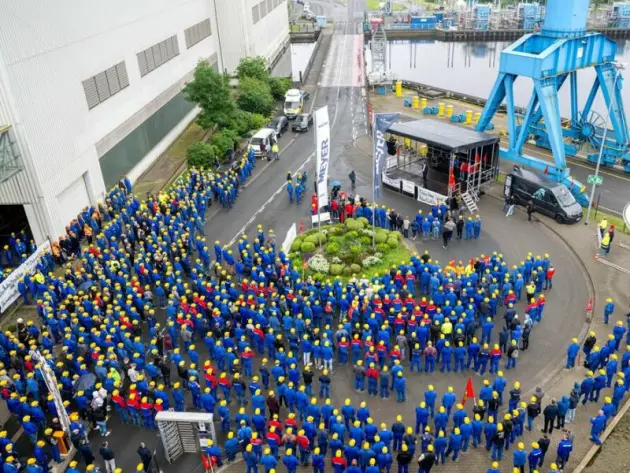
(471,68)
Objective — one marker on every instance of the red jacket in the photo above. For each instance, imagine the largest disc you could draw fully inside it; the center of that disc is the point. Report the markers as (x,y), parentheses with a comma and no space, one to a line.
(372,373)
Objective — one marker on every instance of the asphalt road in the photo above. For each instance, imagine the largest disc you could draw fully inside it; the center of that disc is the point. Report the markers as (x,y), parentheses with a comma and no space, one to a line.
(613,195)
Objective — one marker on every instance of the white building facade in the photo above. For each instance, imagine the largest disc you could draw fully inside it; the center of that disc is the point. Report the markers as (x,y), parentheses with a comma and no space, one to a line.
(91,91)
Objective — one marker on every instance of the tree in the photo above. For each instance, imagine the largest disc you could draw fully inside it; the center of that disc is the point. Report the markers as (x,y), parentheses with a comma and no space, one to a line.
(253,67)
(224,140)
(255,96)
(279,86)
(203,155)
(211,92)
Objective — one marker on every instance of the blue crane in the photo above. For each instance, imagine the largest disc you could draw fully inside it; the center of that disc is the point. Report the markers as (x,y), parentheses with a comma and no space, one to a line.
(550,57)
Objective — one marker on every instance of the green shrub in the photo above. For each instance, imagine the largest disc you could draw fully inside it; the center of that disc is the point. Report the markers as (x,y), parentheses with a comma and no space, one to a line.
(355,268)
(312,239)
(333,248)
(224,140)
(279,86)
(352,235)
(307,247)
(355,249)
(380,237)
(396,235)
(296,245)
(392,243)
(364,221)
(336,230)
(382,248)
(336,269)
(365,240)
(347,271)
(255,96)
(202,155)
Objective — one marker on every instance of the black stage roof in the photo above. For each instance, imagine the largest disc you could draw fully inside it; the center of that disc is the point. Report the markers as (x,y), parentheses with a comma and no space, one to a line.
(443,135)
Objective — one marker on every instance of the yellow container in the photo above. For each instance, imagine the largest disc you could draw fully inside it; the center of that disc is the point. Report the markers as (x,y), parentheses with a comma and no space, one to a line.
(477,117)
(440,109)
(398,89)
(415,102)
(423,103)
(449,111)
(407,143)
(469,115)
(422,150)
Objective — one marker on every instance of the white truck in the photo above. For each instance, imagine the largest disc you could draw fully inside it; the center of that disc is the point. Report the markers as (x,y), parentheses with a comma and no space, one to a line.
(294,102)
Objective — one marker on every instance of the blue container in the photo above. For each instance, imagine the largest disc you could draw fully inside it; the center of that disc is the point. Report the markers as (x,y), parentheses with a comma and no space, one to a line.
(427,111)
(455,118)
(490,126)
(434,110)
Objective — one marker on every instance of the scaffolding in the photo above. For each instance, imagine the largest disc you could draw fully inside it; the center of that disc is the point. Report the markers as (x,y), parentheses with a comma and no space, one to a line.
(10,162)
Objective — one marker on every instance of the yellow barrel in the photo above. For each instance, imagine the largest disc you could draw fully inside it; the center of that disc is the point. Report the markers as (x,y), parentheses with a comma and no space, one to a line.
(422,150)
(423,103)
(416,102)
(440,109)
(398,88)
(449,111)
(469,115)
(407,143)
(477,117)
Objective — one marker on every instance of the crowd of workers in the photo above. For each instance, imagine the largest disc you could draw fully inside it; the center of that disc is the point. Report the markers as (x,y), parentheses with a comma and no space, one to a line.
(148,317)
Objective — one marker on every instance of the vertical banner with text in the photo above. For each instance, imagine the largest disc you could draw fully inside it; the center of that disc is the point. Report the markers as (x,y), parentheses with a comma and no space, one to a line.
(382,122)
(322,141)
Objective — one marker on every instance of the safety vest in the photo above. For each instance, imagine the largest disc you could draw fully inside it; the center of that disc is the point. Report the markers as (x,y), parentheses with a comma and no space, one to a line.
(606,239)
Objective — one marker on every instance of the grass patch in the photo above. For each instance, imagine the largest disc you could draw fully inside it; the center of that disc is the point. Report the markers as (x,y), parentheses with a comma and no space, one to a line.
(192,134)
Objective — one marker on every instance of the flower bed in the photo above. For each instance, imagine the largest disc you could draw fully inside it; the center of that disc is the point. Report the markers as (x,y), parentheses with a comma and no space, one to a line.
(346,250)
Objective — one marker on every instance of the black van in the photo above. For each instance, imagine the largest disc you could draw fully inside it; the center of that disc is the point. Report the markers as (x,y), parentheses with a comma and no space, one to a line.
(550,197)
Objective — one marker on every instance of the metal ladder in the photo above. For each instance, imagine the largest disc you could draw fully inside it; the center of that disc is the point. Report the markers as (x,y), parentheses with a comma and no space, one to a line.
(470,199)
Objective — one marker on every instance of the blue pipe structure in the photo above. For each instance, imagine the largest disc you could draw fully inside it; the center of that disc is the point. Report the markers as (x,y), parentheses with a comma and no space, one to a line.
(558,52)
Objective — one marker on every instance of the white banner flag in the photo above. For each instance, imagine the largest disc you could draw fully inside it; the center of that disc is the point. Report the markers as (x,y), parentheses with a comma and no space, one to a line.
(322,138)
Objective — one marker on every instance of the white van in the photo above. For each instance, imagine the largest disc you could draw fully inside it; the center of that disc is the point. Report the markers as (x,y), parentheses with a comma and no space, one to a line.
(264,136)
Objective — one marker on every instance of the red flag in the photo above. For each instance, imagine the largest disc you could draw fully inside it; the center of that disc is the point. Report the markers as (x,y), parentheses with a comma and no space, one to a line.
(589,306)
(546,170)
(469,393)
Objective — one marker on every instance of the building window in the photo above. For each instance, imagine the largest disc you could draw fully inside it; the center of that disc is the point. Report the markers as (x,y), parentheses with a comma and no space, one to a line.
(255,14)
(103,85)
(270,6)
(158,54)
(197,33)
(263,9)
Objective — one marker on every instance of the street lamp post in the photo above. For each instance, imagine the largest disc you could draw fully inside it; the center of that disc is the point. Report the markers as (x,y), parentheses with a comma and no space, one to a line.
(619,67)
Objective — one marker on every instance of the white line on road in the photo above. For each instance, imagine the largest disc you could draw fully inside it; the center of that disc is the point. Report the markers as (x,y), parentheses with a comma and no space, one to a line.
(343,57)
(263,206)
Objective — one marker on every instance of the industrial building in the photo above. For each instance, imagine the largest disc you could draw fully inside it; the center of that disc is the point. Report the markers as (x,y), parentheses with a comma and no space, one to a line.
(91,91)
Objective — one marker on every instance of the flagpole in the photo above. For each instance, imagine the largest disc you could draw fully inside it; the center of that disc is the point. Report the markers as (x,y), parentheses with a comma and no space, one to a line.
(316,177)
(374,171)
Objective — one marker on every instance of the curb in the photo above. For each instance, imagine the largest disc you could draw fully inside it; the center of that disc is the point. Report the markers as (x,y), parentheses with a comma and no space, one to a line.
(596,448)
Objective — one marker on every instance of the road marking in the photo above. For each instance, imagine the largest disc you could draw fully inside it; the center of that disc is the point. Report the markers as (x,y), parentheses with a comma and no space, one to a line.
(612,265)
(263,206)
(343,56)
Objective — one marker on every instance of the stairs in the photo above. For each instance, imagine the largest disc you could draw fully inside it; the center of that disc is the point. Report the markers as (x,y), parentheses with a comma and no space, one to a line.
(470,199)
